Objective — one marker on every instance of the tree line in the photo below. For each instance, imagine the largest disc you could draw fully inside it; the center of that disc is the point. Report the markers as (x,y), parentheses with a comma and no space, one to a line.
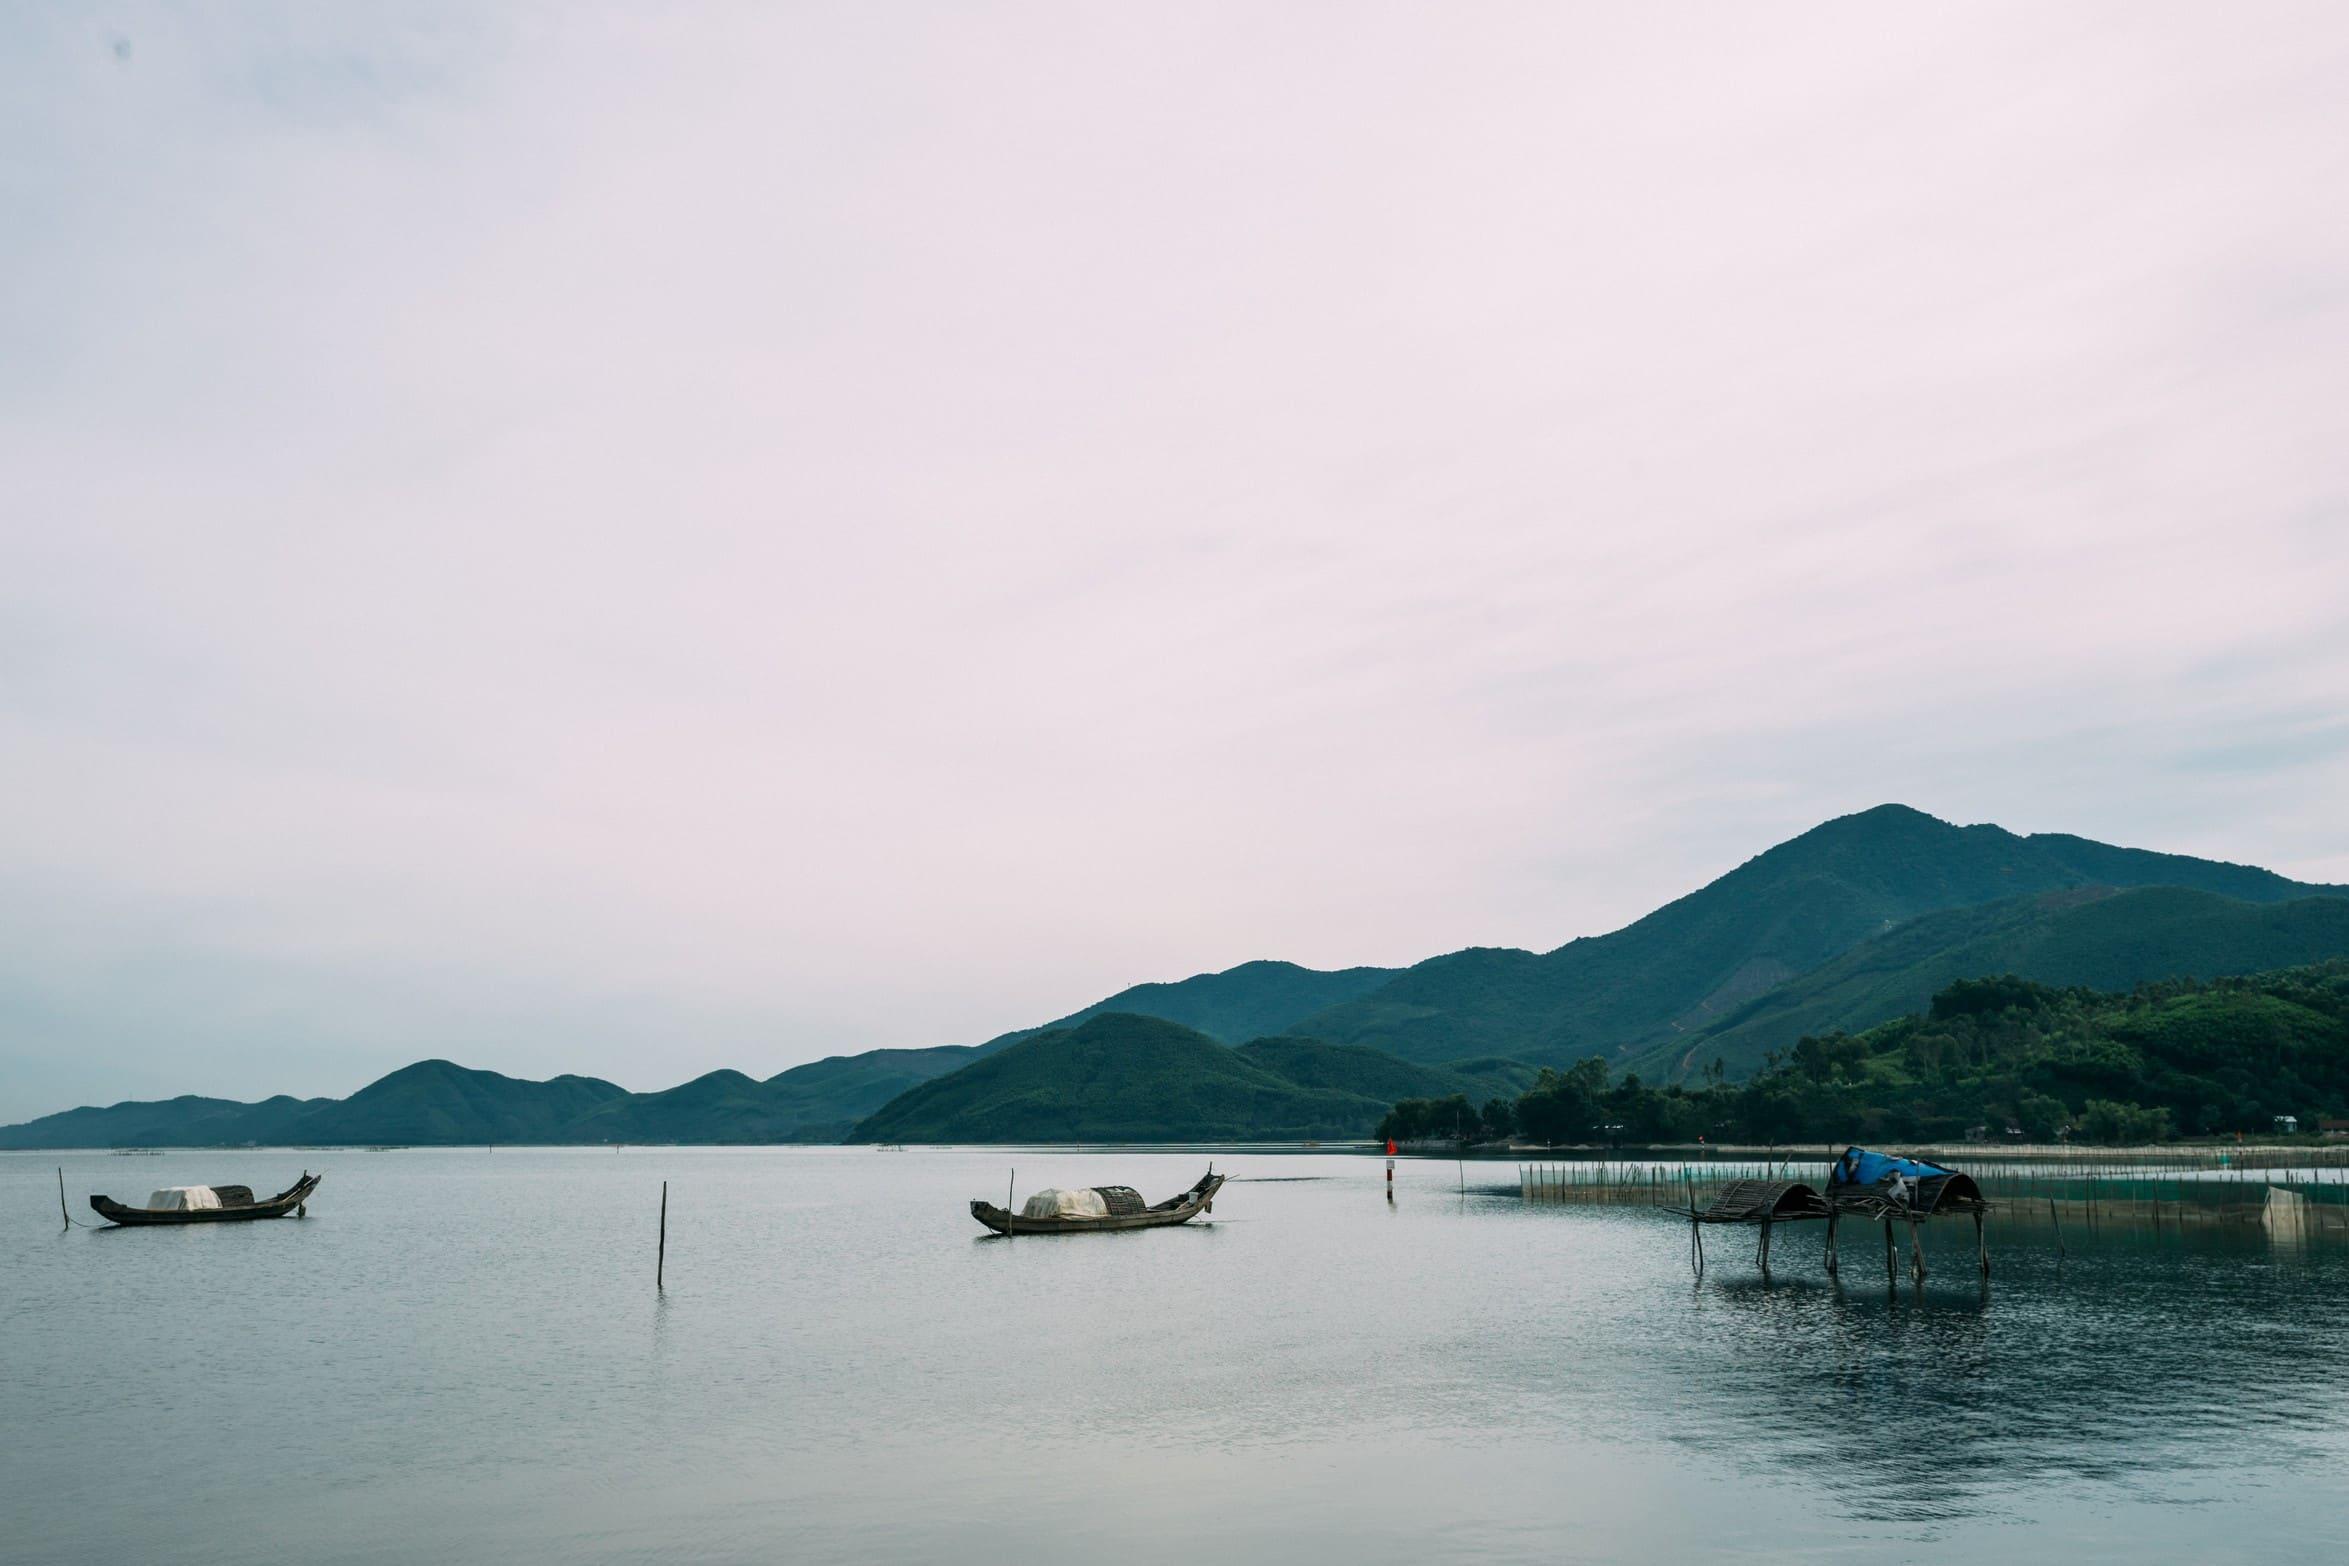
(2005,1056)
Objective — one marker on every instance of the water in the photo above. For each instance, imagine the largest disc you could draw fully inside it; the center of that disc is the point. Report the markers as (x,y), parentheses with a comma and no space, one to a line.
(460,1356)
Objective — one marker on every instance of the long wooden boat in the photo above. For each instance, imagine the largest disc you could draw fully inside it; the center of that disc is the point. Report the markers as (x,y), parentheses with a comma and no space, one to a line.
(290,1200)
(1175,1209)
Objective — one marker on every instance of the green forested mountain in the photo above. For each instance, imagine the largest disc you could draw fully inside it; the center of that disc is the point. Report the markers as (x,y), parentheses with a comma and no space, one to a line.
(2182,1057)
(440,1102)
(1350,1068)
(823,1100)
(2093,937)
(1852,922)
(719,1106)
(435,1102)
(1120,1077)
(187,1121)
(1693,962)
(1252,1001)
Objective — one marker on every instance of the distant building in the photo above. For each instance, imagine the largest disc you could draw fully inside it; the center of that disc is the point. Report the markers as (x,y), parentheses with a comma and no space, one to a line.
(2288,1125)
(2336,1130)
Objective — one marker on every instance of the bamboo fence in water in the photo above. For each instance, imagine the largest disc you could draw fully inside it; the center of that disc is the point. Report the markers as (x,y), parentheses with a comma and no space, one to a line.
(2291,1193)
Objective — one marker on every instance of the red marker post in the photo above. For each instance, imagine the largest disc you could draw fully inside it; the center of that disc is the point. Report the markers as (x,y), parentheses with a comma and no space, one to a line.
(1390,1168)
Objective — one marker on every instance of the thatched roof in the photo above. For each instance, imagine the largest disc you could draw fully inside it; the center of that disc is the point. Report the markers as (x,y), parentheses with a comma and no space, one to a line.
(1763,1201)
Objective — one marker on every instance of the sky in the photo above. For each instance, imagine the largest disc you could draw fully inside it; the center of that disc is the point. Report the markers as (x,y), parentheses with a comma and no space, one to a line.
(631,540)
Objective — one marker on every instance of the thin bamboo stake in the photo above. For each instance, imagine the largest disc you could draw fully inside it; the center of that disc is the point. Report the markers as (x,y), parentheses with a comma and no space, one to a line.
(661,1256)
(63,1211)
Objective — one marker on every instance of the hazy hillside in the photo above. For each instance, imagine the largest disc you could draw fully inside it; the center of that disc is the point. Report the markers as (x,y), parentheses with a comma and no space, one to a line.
(2183,1057)
(437,1101)
(2097,938)
(185,1121)
(1252,1001)
(1350,1068)
(1119,1077)
(2211,1058)
(721,1106)
(823,1100)
(1696,960)
(1851,922)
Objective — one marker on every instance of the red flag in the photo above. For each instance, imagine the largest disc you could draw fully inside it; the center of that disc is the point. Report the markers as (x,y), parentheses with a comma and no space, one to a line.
(1390,1147)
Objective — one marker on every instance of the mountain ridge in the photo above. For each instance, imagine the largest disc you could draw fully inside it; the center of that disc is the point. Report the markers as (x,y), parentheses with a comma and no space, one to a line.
(1775,916)
(1754,950)
(2100,938)
(1121,1076)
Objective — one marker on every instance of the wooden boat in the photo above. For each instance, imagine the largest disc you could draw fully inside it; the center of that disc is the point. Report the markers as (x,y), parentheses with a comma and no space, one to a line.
(1175,1209)
(236,1206)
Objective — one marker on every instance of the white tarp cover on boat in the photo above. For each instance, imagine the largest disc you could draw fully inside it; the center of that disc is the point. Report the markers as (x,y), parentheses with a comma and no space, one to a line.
(182,1199)
(1051,1203)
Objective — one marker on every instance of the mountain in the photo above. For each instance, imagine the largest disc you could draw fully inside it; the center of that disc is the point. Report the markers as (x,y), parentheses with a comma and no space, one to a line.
(1349,1068)
(1252,1001)
(437,1102)
(718,1106)
(1694,961)
(826,1098)
(2093,937)
(1120,1077)
(1743,964)
(2006,1056)
(187,1121)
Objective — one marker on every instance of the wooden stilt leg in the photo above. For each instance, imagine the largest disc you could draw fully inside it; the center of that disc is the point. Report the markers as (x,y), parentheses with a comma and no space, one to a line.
(1891,1254)
(1981,1245)
(1830,1243)
(1916,1252)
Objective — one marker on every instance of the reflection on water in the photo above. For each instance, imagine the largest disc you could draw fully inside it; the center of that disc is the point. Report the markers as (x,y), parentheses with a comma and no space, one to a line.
(461,1356)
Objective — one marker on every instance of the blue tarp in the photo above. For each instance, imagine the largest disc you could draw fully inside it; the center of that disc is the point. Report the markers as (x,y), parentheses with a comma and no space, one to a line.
(1877,1171)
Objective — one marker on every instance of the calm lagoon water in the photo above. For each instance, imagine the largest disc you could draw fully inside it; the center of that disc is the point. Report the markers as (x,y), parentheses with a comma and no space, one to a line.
(460,1356)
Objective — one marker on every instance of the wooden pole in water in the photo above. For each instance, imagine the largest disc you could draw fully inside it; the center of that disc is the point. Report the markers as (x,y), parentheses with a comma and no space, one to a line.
(661,1256)
(1009,1186)
(1830,1242)
(1891,1254)
(63,1211)
(1981,1244)
(1916,1251)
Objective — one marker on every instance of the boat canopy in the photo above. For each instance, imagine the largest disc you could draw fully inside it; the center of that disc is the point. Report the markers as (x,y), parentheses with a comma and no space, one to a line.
(183,1199)
(1052,1202)
(1880,1171)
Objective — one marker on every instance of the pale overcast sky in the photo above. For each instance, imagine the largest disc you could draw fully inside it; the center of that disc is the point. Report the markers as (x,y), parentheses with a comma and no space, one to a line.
(632,539)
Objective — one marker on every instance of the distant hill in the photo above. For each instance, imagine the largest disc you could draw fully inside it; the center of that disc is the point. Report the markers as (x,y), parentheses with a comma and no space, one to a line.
(819,1102)
(823,1100)
(2001,1057)
(187,1121)
(1850,922)
(2097,938)
(1252,1001)
(1350,1068)
(437,1102)
(1694,961)
(1120,1077)
(1174,1083)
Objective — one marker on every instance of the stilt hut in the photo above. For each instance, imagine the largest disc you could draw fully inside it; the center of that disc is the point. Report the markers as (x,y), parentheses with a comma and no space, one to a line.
(1766,1203)
(1880,1187)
